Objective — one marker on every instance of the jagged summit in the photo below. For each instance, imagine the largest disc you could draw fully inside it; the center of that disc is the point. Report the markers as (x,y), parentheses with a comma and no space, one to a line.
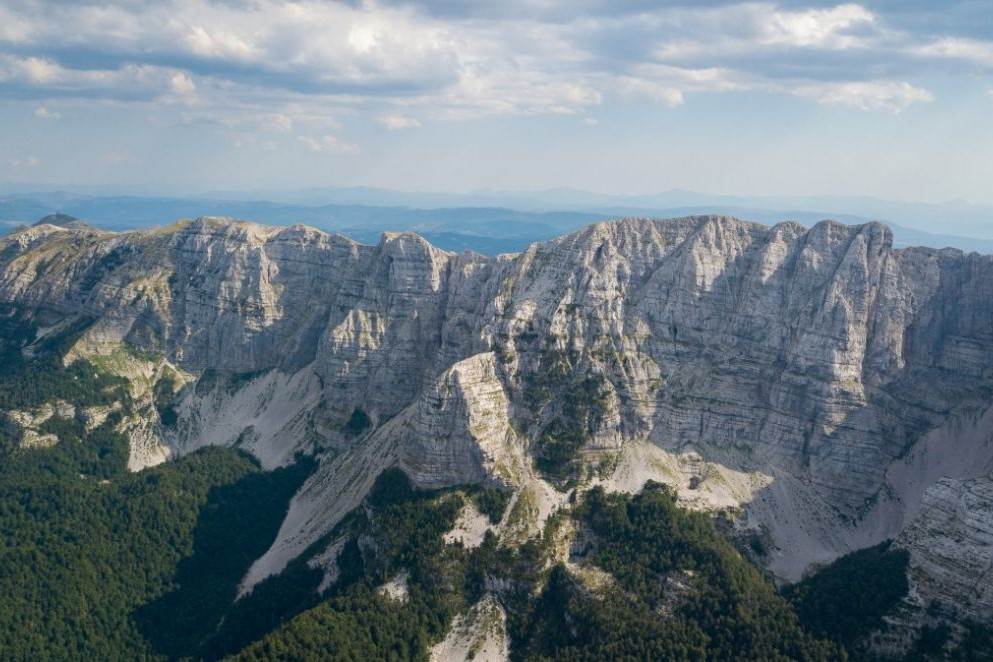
(815,381)
(625,229)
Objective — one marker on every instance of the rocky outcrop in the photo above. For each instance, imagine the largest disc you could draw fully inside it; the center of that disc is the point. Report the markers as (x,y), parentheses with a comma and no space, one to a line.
(25,426)
(815,379)
(460,429)
(951,548)
(457,432)
(480,634)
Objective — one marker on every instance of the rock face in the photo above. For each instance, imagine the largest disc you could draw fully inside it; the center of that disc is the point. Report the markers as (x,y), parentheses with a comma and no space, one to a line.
(951,547)
(820,379)
(460,429)
(479,635)
(24,425)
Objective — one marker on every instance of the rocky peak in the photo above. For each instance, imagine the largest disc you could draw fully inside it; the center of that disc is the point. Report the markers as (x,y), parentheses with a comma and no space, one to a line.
(810,365)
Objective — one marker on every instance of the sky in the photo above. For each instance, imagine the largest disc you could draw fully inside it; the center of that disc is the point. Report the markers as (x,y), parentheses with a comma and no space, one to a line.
(888,99)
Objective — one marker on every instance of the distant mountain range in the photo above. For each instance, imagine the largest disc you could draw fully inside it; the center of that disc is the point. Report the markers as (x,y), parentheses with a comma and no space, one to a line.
(954,217)
(498,222)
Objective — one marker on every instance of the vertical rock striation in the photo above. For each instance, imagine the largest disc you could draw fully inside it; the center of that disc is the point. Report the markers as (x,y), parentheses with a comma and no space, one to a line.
(841,371)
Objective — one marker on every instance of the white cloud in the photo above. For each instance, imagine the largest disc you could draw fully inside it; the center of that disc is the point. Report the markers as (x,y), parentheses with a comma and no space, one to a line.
(825,28)
(888,96)
(328,144)
(279,122)
(181,84)
(14,28)
(357,54)
(44,113)
(308,45)
(668,85)
(395,122)
(755,28)
(219,44)
(37,70)
(246,120)
(968,50)
(668,96)
(529,58)
(44,78)
(492,89)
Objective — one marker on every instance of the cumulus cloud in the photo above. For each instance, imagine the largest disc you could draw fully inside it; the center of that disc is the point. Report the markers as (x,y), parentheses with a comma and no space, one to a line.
(292,63)
(219,44)
(971,51)
(486,89)
(182,84)
(892,97)
(826,28)
(44,78)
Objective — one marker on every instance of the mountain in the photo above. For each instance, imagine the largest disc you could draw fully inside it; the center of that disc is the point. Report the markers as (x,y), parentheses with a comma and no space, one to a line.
(487,230)
(488,223)
(65,221)
(956,217)
(806,393)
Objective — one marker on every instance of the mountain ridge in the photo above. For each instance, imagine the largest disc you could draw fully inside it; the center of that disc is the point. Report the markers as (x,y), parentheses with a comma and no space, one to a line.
(488,226)
(811,380)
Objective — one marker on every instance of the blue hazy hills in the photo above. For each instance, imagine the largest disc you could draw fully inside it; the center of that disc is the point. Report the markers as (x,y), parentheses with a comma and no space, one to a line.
(495,222)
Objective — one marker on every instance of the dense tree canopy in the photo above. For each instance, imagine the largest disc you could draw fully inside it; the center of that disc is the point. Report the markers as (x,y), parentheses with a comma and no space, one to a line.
(100,563)
(682,592)
(848,599)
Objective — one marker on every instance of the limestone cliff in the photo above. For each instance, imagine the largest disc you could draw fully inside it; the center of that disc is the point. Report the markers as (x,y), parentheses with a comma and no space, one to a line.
(819,379)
